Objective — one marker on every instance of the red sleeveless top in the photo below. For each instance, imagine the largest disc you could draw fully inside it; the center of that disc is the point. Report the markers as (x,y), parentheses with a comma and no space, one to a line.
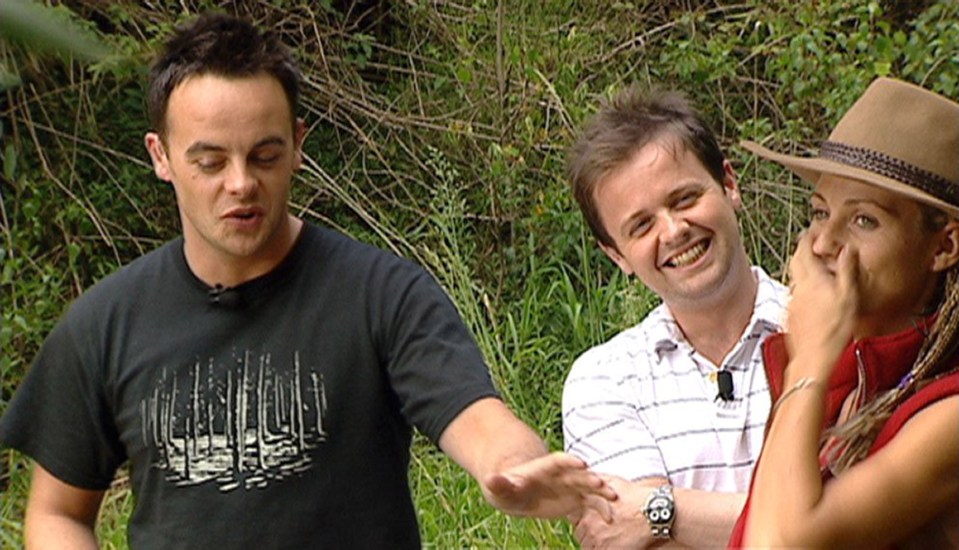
(885,360)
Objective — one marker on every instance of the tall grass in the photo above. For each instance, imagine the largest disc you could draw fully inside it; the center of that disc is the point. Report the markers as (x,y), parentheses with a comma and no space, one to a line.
(438,131)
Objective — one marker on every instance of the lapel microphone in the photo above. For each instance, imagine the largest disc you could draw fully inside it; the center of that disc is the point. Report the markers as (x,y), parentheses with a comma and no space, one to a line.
(725,381)
(226,297)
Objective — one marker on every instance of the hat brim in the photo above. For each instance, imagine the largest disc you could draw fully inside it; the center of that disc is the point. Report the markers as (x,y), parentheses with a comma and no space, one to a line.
(810,168)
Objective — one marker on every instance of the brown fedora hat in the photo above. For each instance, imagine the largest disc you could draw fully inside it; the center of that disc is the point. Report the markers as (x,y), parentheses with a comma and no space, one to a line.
(897,136)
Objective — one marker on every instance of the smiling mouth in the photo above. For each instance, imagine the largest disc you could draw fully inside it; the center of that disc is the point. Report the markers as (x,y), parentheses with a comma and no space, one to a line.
(689,256)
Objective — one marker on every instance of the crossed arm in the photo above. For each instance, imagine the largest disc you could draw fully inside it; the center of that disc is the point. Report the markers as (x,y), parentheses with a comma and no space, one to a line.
(603,425)
(703,520)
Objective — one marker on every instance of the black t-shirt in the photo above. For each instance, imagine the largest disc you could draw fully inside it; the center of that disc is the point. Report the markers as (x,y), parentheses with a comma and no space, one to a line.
(276,417)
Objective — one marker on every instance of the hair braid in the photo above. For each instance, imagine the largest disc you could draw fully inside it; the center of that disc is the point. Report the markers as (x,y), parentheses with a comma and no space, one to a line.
(855,436)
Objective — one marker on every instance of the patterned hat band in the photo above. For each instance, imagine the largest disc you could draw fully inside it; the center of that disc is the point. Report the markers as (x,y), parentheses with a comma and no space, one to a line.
(891,167)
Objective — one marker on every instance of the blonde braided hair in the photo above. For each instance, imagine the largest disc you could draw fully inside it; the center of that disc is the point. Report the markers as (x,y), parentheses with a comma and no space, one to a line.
(855,436)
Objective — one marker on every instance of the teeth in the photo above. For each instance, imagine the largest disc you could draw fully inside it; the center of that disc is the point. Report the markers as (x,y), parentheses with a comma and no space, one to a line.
(689,256)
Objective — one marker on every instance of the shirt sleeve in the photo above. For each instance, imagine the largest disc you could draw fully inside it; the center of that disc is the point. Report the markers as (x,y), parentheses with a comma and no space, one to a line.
(603,422)
(59,415)
(434,364)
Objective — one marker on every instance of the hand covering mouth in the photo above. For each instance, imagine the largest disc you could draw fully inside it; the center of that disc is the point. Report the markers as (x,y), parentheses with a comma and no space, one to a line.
(689,255)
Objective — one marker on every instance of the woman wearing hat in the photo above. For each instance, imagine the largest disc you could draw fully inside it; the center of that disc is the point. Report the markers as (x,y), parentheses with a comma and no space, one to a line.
(862,447)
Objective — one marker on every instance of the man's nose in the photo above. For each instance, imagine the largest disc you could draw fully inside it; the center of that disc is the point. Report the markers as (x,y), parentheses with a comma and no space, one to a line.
(676,226)
(240,180)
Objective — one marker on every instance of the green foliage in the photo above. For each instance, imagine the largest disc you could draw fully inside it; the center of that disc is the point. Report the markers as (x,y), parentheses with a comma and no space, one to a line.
(16,482)
(930,53)
(44,29)
(48,29)
(438,130)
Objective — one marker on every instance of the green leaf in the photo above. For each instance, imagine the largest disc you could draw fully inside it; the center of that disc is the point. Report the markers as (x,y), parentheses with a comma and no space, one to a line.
(464,74)
(9,162)
(47,29)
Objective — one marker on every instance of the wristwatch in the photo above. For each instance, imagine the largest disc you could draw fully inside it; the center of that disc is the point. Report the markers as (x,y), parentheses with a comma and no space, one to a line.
(660,511)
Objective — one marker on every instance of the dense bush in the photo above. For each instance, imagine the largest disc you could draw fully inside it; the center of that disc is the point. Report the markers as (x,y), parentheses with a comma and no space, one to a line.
(438,130)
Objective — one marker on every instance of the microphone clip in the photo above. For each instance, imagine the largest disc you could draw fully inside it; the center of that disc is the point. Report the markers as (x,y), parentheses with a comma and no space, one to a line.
(220,295)
(724,379)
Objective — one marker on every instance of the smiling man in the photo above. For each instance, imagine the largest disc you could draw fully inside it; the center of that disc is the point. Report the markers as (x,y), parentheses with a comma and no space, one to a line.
(261,375)
(673,408)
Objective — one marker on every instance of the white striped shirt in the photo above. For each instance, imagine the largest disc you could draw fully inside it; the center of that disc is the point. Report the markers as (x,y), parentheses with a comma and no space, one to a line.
(644,404)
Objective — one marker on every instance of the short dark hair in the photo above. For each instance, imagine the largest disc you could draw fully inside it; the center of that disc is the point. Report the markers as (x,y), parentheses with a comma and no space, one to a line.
(221,45)
(625,124)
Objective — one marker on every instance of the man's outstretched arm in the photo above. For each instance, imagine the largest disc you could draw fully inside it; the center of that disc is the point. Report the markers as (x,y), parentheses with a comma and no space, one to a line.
(514,468)
(60,515)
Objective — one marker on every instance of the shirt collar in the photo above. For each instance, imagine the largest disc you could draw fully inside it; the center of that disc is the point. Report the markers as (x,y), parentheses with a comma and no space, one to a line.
(769,310)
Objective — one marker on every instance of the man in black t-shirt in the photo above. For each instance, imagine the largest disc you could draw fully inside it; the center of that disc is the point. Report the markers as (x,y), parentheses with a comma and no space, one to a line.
(261,375)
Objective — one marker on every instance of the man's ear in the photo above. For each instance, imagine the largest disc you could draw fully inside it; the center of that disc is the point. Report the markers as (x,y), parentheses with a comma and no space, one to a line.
(617,258)
(161,163)
(731,185)
(299,134)
(947,250)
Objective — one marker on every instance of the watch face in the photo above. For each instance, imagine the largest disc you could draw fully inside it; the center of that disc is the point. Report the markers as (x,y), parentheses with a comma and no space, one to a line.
(659,510)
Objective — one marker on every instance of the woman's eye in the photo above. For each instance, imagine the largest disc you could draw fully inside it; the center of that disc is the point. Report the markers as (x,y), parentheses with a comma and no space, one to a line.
(818,215)
(865,222)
